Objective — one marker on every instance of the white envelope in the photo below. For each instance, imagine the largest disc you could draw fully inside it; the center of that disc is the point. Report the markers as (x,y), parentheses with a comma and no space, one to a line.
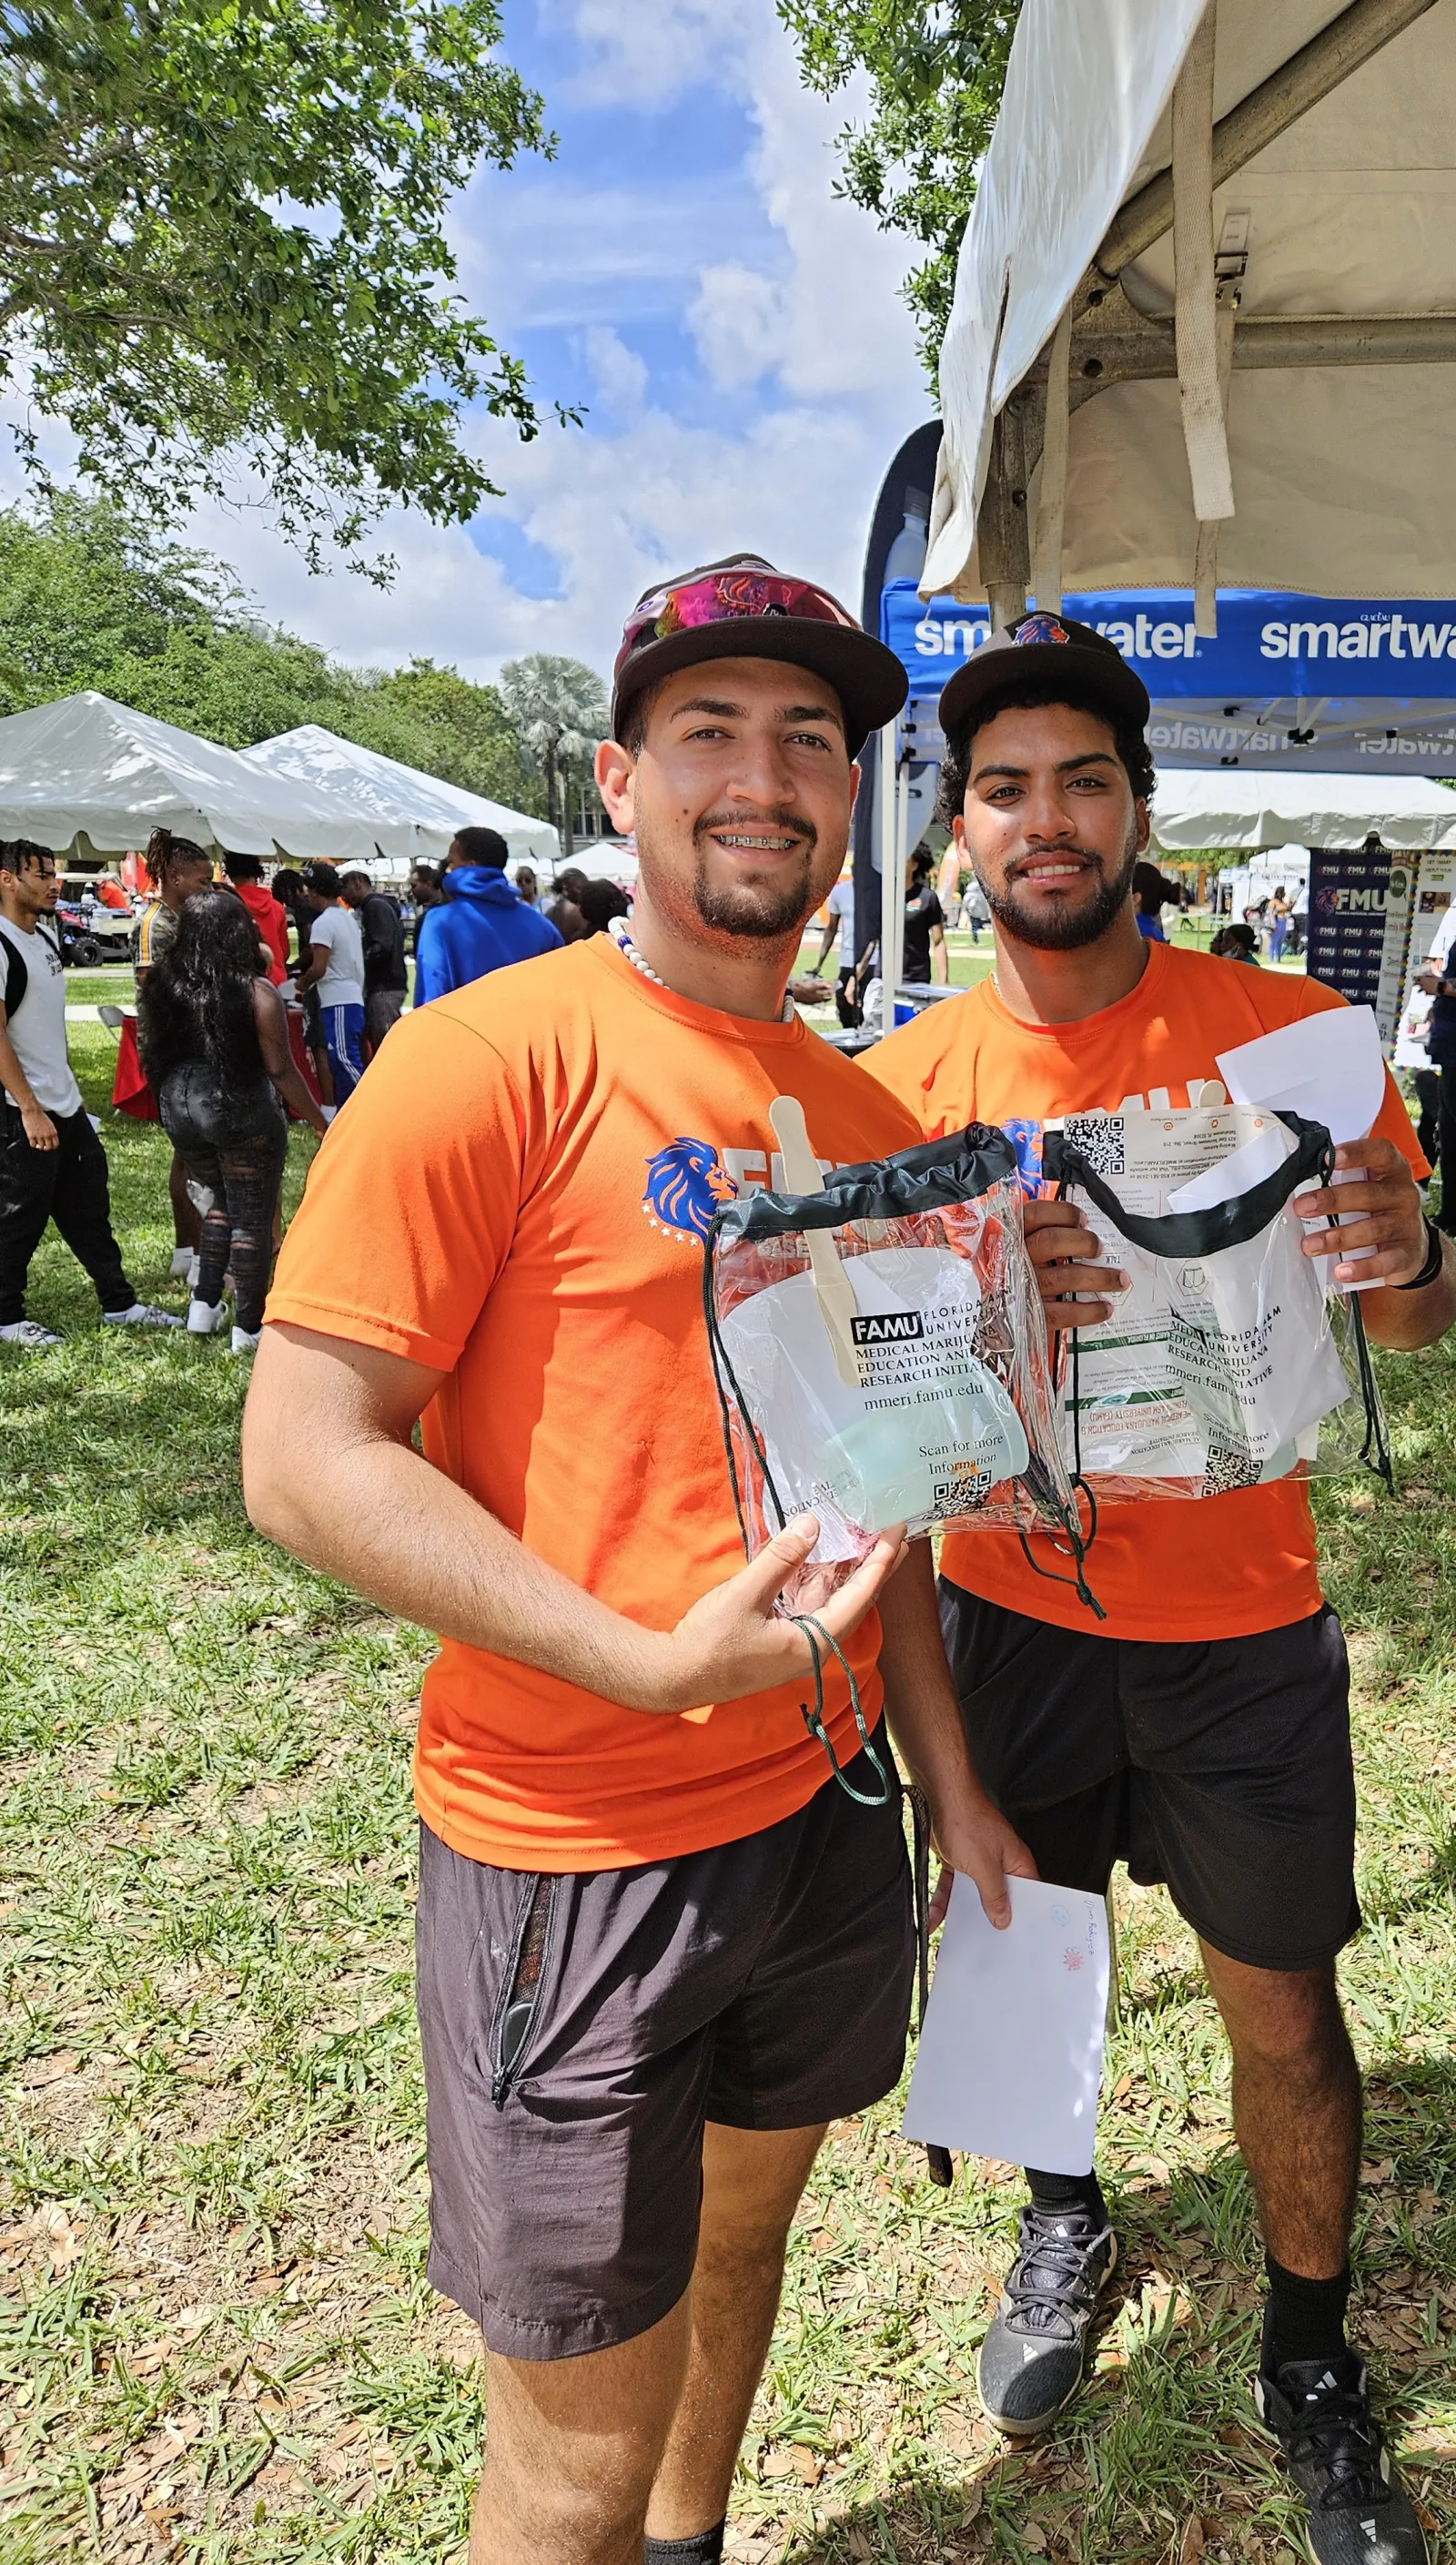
(1009,2060)
(1331,1068)
(1236,1174)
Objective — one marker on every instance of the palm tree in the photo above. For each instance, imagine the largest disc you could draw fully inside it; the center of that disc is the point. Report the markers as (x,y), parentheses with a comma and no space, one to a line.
(560,711)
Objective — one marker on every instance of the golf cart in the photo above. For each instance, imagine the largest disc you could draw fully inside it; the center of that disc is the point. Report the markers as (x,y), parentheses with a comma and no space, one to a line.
(89,931)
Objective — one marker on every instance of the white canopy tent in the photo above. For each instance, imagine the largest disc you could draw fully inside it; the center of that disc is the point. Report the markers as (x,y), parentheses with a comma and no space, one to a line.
(409,816)
(87,767)
(1237,807)
(1205,309)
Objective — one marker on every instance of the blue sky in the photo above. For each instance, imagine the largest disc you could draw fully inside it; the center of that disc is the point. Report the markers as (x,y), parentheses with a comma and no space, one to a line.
(682,271)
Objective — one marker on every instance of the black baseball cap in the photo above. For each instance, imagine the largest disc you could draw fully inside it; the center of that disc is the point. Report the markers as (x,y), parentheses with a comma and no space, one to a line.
(744,608)
(1046,645)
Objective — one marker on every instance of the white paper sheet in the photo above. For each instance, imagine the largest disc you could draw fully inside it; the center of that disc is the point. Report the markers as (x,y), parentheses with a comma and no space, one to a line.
(1337,1053)
(1328,1067)
(1009,2060)
(1236,1174)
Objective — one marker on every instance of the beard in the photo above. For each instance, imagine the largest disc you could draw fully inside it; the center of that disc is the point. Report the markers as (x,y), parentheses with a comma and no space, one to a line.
(767,911)
(1057,929)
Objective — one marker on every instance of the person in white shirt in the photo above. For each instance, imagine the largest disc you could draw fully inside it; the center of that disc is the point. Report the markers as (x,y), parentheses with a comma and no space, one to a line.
(976,909)
(839,923)
(335,970)
(51,1163)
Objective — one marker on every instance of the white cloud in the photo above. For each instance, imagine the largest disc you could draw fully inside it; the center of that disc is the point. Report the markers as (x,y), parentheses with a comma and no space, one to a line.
(619,373)
(647,54)
(821,310)
(739,319)
(556,251)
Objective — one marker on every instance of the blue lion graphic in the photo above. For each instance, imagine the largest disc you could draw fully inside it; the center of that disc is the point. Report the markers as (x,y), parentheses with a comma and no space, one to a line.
(684,1185)
(1028,1141)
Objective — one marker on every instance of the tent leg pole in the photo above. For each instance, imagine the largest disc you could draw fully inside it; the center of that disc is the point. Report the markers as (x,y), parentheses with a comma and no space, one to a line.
(888,777)
(1002,530)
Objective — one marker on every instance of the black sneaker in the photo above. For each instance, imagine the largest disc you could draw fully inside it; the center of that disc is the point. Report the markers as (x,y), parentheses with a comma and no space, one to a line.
(1359,2511)
(1032,2359)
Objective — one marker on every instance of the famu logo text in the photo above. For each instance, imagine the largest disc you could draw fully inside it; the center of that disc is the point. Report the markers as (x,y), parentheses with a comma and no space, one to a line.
(888,1327)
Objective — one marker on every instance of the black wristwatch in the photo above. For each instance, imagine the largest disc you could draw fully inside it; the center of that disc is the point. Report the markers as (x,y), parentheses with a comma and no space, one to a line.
(1435,1257)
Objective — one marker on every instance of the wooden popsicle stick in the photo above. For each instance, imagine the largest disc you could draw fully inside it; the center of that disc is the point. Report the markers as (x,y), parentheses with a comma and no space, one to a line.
(833,1289)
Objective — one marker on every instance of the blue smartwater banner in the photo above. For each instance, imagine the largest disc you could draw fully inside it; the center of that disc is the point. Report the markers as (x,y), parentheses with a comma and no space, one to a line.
(1330,685)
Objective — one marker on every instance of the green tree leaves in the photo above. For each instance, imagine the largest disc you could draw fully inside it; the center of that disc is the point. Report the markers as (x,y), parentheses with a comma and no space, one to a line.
(937,67)
(223,247)
(91,597)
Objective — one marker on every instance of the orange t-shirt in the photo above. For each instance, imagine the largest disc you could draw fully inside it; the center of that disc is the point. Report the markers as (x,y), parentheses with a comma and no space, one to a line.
(517,1195)
(1223,1566)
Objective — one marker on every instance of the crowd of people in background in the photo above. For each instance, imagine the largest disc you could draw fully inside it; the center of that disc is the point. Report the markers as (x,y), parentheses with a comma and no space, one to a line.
(224,959)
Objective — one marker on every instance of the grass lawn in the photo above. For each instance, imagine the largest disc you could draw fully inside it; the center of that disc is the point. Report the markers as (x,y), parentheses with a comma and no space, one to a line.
(971,961)
(217,2342)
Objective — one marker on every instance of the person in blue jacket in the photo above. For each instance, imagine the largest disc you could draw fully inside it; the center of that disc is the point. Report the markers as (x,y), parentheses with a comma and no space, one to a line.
(482,924)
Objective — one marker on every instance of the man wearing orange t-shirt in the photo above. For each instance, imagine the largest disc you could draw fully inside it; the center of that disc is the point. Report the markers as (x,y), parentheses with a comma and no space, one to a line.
(659,1948)
(1202,1732)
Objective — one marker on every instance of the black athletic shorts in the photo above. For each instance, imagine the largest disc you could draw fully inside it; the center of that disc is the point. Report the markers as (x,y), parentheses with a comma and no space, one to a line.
(1221,1766)
(579,2030)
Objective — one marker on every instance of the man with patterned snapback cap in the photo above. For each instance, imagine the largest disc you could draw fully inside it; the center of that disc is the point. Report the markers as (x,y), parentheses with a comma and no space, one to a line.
(659,1946)
(1201,1733)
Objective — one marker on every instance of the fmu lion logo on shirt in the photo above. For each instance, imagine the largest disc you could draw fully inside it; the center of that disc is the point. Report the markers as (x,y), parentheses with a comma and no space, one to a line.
(686,1183)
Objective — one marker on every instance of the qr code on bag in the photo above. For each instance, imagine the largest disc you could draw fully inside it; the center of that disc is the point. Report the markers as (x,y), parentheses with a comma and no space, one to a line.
(1100,1138)
(1229,1465)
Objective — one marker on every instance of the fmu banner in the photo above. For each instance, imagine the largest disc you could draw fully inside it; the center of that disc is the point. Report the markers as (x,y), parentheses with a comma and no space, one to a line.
(1361,909)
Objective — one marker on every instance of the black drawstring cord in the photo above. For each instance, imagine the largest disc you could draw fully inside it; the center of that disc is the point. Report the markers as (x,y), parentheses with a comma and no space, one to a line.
(814,1631)
(1374,1452)
(1078,1542)
(940,2163)
(718,1354)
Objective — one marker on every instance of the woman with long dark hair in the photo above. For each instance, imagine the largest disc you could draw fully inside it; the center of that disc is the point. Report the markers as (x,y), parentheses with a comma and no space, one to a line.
(177,868)
(214,1044)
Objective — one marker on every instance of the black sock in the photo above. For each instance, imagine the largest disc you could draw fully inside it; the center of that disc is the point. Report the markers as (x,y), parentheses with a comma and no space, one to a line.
(1304,2320)
(1054,2191)
(705,2550)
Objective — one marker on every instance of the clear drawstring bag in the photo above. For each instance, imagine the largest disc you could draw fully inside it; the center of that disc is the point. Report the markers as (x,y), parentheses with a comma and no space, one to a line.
(1231,1362)
(881,1357)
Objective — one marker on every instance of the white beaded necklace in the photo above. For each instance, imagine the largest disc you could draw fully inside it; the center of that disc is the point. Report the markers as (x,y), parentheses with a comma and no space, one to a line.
(621,936)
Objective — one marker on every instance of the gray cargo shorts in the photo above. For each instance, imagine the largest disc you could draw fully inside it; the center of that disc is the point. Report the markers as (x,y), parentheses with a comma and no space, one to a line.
(579,2030)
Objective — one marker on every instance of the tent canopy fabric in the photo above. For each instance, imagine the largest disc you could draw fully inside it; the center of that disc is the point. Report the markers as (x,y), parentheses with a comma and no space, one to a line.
(88,767)
(405,813)
(1339,402)
(1338,812)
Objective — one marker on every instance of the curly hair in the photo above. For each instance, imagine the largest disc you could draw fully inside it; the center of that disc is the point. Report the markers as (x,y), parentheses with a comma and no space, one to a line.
(1029,695)
(163,851)
(196,1001)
